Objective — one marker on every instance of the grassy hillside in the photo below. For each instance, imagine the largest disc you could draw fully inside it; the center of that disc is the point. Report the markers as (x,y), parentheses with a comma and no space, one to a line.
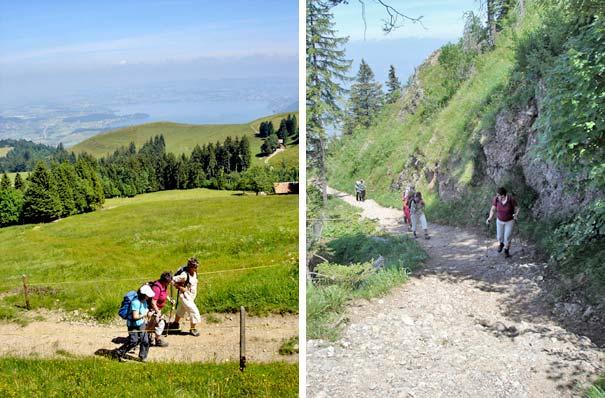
(289,157)
(432,135)
(132,240)
(552,56)
(104,378)
(180,138)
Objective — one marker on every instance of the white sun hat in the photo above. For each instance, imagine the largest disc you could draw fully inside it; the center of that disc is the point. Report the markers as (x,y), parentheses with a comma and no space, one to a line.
(147,291)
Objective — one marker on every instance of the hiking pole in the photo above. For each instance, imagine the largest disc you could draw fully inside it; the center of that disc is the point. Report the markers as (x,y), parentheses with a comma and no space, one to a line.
(168,324)
(487,225)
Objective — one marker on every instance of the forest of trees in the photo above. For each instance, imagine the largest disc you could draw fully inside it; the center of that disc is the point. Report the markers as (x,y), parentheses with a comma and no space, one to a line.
(67,184)
(24,155)
(287,132)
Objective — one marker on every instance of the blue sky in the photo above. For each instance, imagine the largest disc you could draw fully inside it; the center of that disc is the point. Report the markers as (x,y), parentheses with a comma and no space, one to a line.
(144,31)
(71,40)
(405,47)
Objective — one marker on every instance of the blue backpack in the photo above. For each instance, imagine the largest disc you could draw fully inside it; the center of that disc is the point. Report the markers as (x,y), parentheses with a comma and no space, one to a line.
(124,311)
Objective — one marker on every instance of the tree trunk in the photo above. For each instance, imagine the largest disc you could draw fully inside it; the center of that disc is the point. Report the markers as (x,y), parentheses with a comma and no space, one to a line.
(491,22)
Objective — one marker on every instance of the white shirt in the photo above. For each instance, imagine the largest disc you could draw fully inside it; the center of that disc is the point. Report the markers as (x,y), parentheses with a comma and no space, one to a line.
(192,288)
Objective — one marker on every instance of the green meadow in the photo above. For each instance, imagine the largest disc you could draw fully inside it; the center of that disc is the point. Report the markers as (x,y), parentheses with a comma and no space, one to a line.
(88,261)
(180,138)
(100,378)
(289,157)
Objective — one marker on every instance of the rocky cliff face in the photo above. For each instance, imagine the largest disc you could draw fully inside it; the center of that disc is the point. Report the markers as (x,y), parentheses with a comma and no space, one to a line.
(509,149)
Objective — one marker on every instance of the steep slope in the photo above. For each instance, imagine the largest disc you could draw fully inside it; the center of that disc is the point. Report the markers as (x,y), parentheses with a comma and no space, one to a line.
(471,121)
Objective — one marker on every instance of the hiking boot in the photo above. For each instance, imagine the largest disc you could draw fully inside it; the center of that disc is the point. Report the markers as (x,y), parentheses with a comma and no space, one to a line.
(427,237)
(415,236)
(161,343)
(500,247)
(174,326)
(506,253)
(195,332)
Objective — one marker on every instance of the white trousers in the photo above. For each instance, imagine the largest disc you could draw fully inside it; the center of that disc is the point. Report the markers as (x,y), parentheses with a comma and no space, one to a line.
(187,306)
(418,218)
(504,231)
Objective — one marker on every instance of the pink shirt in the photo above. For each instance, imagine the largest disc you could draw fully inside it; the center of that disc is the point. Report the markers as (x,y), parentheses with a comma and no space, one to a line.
(161,293)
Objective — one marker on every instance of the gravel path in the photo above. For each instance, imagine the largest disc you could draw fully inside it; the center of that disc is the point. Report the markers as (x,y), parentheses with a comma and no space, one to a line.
(469,324)
(59,336)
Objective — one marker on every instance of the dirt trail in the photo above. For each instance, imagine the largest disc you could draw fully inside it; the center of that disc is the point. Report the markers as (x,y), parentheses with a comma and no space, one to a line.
(55,337)
(469,324)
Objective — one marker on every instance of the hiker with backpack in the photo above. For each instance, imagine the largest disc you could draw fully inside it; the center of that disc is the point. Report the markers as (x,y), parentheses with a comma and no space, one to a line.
(185,280)
(357,190)
(417,205)
(507,212)
(157,322)
(362,190)
(134,309)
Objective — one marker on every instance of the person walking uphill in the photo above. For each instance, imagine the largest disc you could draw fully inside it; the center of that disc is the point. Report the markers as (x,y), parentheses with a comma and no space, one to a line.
(407,196)
(362,190)
(507,211)
(185,280)
(157,322)
(135,322)
(416,204)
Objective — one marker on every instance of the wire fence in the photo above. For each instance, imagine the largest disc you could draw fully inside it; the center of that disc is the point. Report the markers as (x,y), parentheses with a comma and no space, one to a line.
(98,281)
(141,278)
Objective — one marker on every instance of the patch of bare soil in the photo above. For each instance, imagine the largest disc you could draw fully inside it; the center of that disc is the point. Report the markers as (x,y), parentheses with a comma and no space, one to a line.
(469,324)
(58,336)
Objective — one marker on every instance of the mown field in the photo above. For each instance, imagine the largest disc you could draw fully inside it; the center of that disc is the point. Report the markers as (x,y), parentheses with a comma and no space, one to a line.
(101,378)
(180,138)
(87,262)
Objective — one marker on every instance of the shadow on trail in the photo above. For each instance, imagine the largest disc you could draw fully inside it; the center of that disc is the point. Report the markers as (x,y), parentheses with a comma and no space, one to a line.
(525,295)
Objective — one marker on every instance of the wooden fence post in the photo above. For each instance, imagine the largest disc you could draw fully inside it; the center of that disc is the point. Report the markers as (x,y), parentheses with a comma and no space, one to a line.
(25,292)
(242,338)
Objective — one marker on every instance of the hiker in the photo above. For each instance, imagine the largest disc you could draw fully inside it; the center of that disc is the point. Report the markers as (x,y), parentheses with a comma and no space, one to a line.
(185,280)
(507,211)
(416,204)
(157,322)
(407,196)
(357,190)
(136,324)
(362,190)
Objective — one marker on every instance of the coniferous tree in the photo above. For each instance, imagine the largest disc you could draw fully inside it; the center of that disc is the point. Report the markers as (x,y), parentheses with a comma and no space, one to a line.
(195,170)
(282,132)
(244,153)
(64,187)
(41,202)
(270,129)
(11,203)
(393,86)
(291,125)
(5,183)
(19,183)
(212,163)
(366,99)
(326,71)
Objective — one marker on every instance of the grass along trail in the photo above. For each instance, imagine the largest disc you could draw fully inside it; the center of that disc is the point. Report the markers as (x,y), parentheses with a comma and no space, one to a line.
(57,337)
(469,324)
